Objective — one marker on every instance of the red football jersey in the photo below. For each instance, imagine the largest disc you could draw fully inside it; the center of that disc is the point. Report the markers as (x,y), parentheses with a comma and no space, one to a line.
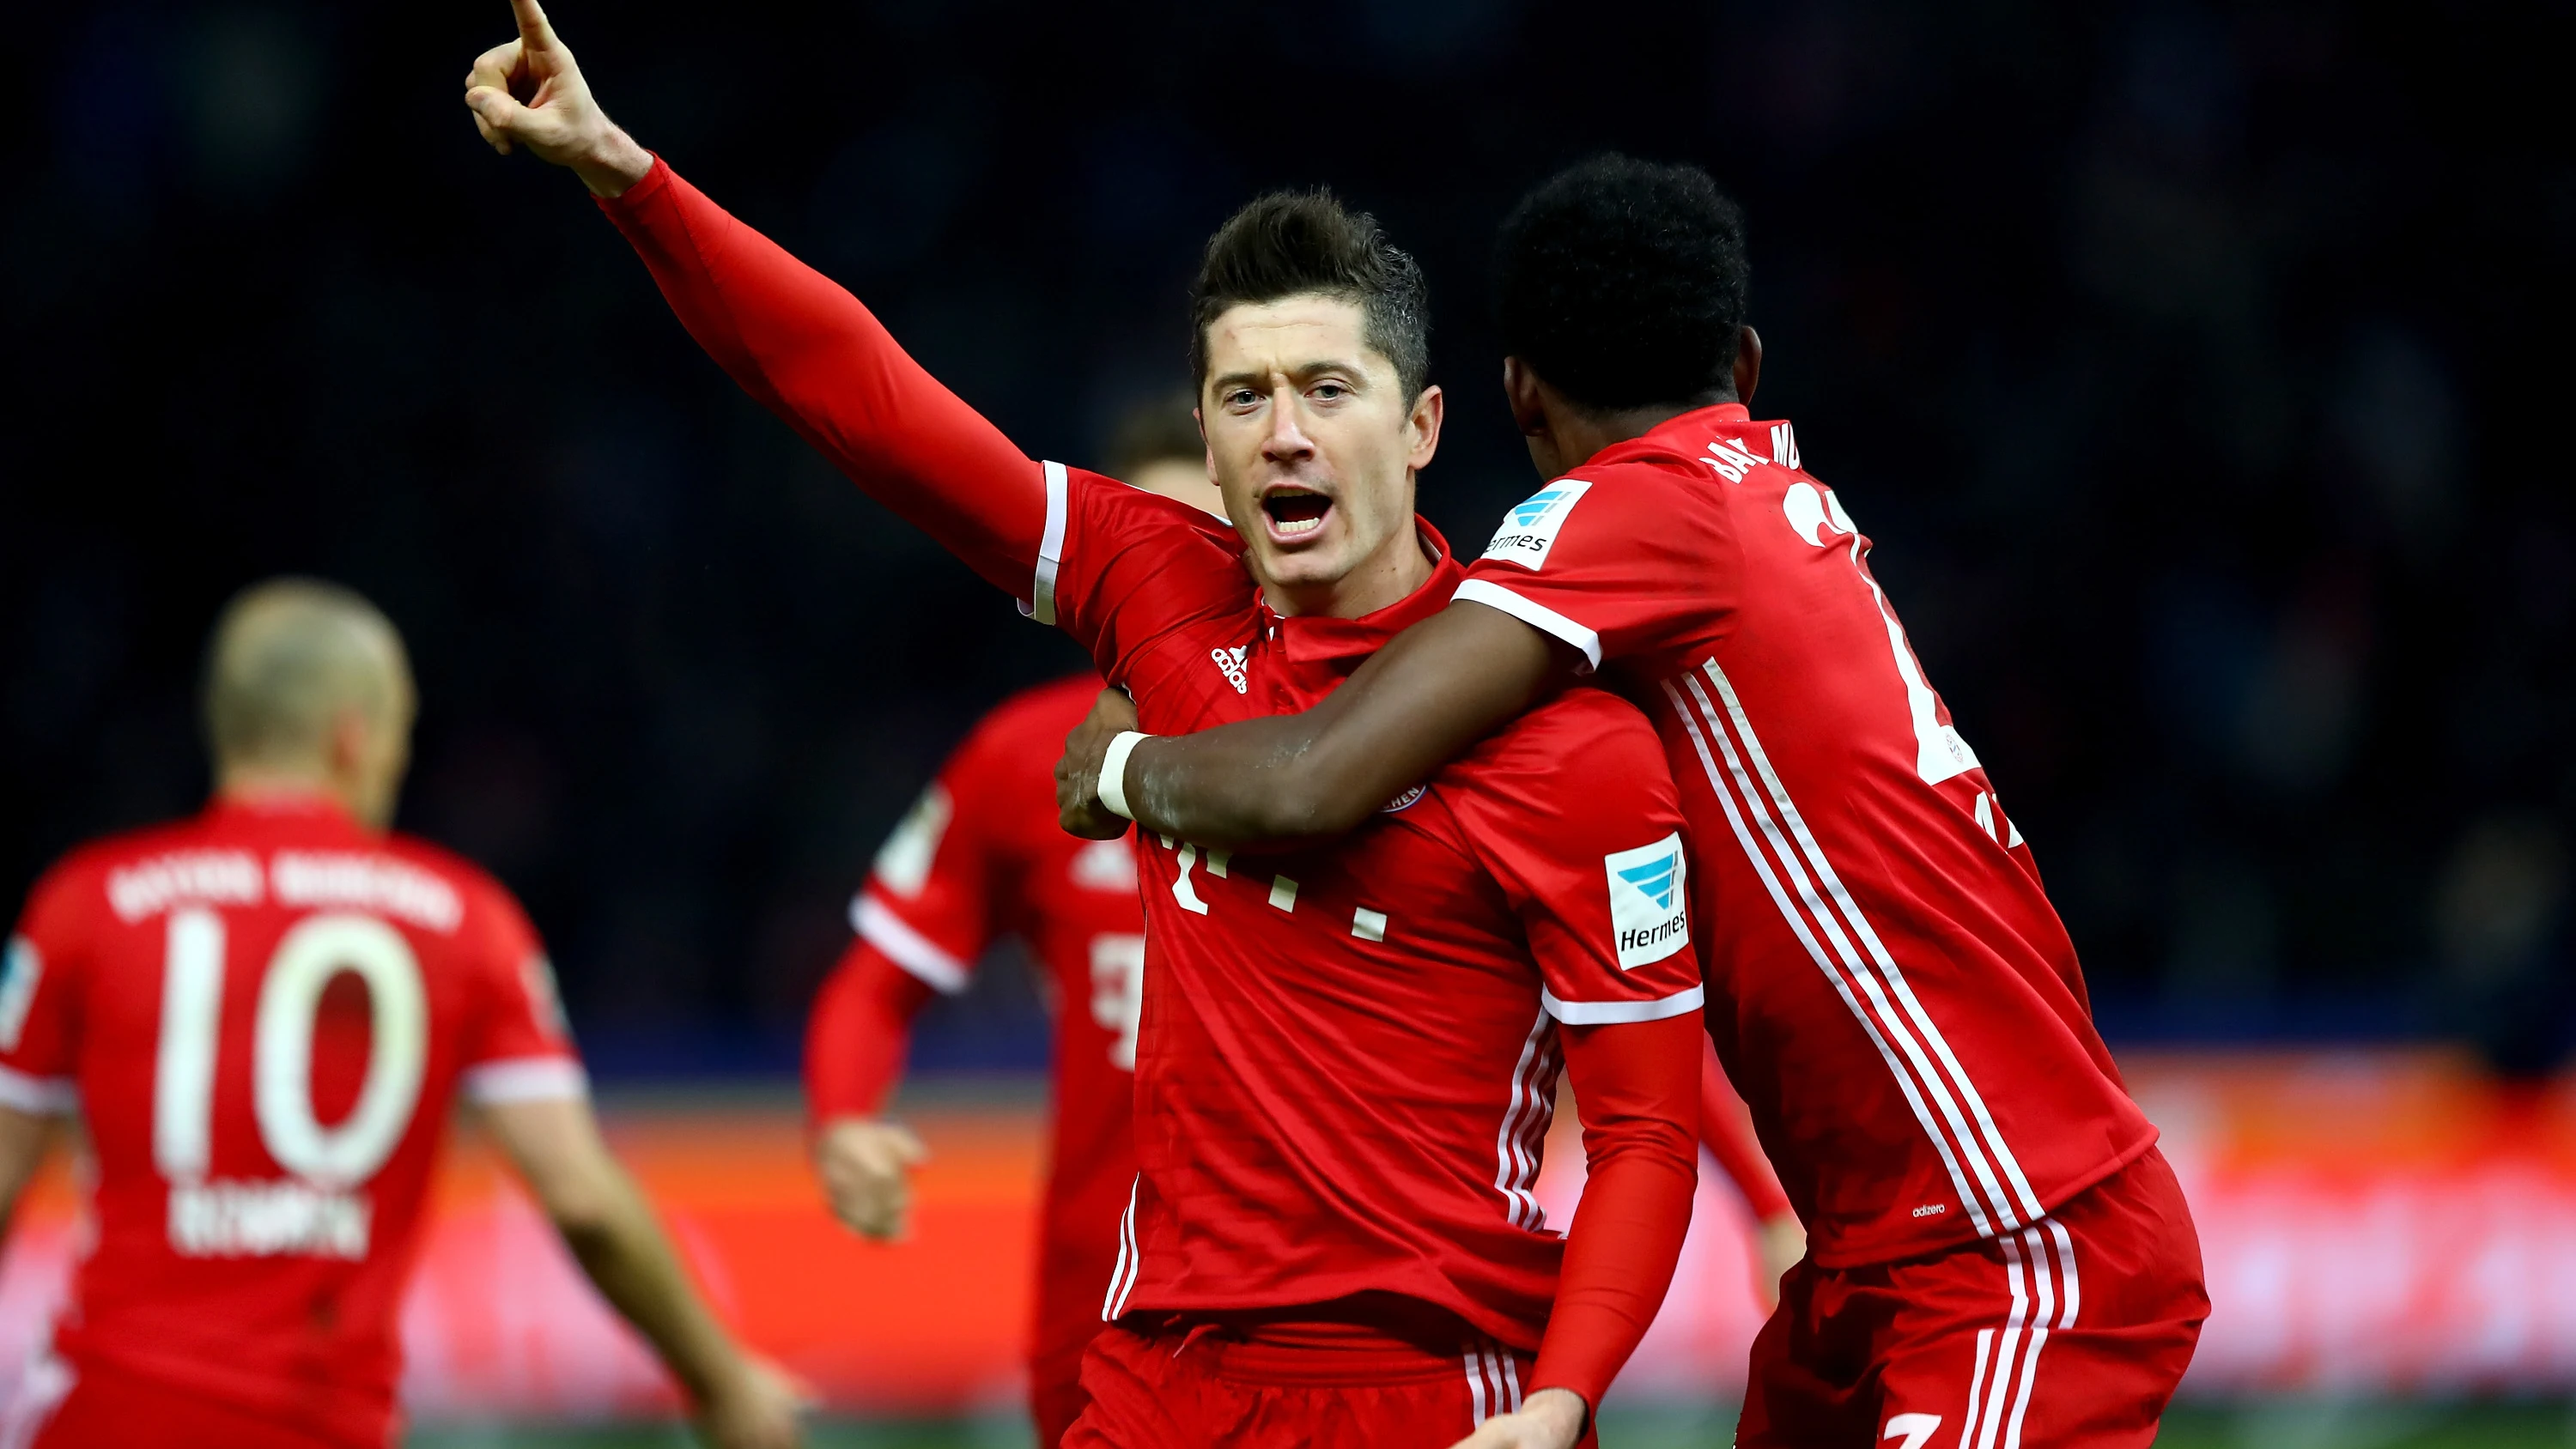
(981,856)
(1893,993)
(1345,1055)
(264,1015)
(1348,1061)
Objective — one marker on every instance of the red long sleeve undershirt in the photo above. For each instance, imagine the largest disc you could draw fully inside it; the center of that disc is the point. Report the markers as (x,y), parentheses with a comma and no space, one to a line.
(1636,1085)
(858,1033)
(1727,1127)
(811,353)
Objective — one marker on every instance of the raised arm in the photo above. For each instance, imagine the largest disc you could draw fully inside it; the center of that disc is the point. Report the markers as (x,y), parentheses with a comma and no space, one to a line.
(790,336)
(1439,687)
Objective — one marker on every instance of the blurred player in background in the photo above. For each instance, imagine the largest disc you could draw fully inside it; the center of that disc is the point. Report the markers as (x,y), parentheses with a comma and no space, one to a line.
(1347,1058)
(981,857)
(263,1015)
(1888,980)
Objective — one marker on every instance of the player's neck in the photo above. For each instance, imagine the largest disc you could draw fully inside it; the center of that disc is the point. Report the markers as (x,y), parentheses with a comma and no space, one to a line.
(273,786)
(1388,576)
(1582,436)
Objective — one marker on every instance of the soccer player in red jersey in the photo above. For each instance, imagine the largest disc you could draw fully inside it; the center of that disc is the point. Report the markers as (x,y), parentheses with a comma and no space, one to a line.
(1346,1056)
(263,1016)
(981,857)
(1997,1251)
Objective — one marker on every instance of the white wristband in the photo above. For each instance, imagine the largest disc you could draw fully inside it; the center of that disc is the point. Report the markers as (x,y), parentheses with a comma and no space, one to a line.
(1113,772)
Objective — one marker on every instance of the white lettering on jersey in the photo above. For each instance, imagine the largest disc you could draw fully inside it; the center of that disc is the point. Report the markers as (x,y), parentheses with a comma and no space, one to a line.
(267,1220)
(375,884)
(1530,529)
(1649,907)
(211,877)
(1231,661)
(903,862)
(18,977)
(1731,459)
(1917,1429)
(1784,445)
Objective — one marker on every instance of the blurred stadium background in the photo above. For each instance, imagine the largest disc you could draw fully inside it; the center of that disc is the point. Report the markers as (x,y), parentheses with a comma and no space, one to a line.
(2186,363)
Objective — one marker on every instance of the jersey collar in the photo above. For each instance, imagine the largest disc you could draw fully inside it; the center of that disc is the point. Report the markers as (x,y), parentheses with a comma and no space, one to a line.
(1676,432)
(1312,639)
(280,805)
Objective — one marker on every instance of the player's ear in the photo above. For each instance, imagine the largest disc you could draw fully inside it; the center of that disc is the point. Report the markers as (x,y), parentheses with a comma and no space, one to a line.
(1521,390)
(1748,363)
(1428,411)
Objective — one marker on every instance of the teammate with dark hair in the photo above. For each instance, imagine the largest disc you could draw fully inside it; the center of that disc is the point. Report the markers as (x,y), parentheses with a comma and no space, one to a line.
(1889,985)
(1347,1056)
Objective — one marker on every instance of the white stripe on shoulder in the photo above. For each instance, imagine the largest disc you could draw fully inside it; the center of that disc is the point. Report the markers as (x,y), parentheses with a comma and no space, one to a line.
(880,927)
(38,1096)
(1041,604)
(524,1079)
(1537,616)
(1600,1013)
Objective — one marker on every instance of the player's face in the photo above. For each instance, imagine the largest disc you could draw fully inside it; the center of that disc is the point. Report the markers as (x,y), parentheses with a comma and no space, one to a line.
(1315,443)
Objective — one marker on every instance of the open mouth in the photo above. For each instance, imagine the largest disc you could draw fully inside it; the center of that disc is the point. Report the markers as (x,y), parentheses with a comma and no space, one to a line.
(1294,512)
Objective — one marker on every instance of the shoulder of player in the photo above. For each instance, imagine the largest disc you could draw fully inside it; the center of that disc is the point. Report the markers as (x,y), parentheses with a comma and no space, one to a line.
(1132,512)
(482,893)
(1583,741)
(88,864)
(1054,707)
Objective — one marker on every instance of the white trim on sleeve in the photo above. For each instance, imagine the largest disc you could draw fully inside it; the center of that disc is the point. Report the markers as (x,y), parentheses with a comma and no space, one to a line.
(1604,1013)
(1537,616)
(524,1079)
(911,950)
(1041,604)
(38,1096)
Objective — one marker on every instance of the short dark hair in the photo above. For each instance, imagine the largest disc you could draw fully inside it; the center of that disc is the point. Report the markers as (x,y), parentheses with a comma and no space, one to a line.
(1155,429)
(1289,243)
(1623,283)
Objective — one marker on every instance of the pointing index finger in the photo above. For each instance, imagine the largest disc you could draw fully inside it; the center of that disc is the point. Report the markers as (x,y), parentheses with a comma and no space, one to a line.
(533,28)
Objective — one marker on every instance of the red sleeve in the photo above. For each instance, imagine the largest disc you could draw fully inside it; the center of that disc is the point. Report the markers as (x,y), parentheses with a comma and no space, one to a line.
(40,994)
(813,355)
(1727,1129)
(934,900)
(1611,563)
(1634,1085)
(858,1034)
(1573,812)
(522,1049)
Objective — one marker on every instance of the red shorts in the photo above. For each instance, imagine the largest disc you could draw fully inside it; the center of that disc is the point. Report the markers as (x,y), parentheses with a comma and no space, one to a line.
(1055,1392)
(1184,1386)
(60,1407)
(2071,1332)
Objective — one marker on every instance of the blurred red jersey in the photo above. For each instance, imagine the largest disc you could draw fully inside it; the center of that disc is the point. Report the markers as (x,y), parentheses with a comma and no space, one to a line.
(1890,988)
(981,857)
(264,1015)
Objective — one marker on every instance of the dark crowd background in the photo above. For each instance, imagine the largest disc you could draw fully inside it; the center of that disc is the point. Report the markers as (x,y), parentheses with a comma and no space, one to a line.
(2199,374)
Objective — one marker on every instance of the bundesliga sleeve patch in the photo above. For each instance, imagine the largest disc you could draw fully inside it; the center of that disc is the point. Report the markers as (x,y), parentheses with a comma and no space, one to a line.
(1530,529)
(1649,909)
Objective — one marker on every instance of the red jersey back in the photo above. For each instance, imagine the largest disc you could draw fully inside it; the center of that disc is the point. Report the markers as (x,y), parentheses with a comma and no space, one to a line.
(1348,1057)
(1890,988)
(981,856)
(265,1014)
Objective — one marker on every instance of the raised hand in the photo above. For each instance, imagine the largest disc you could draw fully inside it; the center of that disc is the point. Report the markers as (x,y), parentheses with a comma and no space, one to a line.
(1077,771)
(529,92)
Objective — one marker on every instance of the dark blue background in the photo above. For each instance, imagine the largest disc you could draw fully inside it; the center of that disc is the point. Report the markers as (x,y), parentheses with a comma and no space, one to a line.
(2197,372)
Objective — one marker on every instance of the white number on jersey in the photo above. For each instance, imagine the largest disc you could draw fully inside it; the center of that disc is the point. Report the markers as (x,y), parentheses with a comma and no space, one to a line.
(290,997)
(1118,992)
(1939,752)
